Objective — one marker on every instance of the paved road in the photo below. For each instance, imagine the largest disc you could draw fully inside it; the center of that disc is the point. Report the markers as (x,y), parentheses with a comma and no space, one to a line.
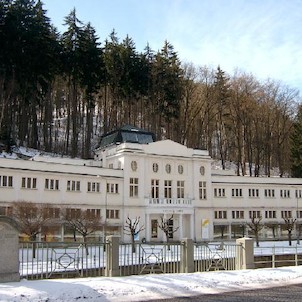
(292,293)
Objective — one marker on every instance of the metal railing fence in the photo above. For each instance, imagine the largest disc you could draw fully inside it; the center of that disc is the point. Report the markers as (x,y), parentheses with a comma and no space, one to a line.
(149,258)
(39,260)
(215,256)
(42,260)
(277,256)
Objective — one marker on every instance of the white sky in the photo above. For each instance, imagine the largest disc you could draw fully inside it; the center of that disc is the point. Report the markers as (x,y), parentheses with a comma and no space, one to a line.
(146,287)
(258,37)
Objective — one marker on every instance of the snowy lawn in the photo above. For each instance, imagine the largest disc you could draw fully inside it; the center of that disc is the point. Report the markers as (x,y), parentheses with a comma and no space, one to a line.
(146,287)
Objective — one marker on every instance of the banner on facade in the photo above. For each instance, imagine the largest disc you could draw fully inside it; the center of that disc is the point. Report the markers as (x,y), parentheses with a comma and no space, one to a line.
(205,229)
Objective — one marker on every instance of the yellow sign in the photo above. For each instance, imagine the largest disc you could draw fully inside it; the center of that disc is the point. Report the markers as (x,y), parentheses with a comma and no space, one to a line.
(205,228)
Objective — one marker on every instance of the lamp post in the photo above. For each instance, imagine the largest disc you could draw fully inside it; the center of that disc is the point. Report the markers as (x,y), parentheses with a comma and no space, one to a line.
(298,216)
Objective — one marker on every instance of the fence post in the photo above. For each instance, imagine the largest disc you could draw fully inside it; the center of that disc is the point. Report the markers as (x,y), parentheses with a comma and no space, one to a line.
(187,256)
(9,251)
(112,259)
(245,253)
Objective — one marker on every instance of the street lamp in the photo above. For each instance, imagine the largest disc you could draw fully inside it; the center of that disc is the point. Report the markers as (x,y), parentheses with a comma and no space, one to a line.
(298,216)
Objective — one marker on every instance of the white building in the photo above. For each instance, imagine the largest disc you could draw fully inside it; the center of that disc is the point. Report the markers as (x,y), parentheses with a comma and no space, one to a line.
(134,176)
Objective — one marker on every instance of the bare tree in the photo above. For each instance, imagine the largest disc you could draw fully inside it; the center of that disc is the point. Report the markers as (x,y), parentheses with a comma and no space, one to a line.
(132,228)
(84,222)
(30,218)
(166,226)
(273,228)
(289,225)
(255,226)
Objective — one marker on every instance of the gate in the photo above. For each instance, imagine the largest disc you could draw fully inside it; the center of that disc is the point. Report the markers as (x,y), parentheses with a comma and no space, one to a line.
(215,256)
(39,260)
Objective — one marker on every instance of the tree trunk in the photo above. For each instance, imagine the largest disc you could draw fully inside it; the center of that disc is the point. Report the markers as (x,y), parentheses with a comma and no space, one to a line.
(85,244)
(133,244)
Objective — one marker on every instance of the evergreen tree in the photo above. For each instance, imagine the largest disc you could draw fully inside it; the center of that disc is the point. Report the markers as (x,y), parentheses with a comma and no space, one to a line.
(113,72)
(222,95)
(72,70)
(91,78)
(296,145)
(167,78)
(26,60)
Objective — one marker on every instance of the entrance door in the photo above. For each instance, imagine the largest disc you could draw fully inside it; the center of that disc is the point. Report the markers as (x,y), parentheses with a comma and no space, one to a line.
(170,225)
(154,228)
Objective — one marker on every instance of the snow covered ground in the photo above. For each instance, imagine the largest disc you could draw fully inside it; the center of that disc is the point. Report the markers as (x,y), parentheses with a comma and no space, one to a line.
(146,287)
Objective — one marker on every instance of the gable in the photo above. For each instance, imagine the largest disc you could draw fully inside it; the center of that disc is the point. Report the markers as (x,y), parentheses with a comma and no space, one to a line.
(168,147)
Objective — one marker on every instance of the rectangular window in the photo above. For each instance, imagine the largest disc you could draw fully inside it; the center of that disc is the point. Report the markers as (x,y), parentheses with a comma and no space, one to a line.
(51,213)
(254,214)
(112,214)
(154,228)
(286,214)
(284,193)
(269,193)
(93,213)
(73,185)
(72,213)
(168,189)
(29,183)
(154,188)
(219,192)
(51,184)
(253,192)
(220,214)
(6,211)
(202,190)
(6,181)
(93,187)
(112,188)
(236,192)
(270,214)
(238,214)
(133,187)
(298,193)
(180,189)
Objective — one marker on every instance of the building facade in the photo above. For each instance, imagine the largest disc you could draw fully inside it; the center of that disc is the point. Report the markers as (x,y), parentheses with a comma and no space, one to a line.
(134,176)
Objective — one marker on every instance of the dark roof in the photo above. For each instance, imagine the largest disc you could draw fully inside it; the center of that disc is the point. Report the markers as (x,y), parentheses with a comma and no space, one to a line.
(128,134)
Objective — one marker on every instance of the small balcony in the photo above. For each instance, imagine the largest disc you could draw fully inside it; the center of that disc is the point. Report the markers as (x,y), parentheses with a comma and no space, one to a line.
(170,202)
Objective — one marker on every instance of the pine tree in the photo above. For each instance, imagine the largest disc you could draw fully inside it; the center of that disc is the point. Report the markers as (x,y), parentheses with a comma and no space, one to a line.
(222,96)
(296,145)
(26,64)
(72,71)
(91,78)
(167,78)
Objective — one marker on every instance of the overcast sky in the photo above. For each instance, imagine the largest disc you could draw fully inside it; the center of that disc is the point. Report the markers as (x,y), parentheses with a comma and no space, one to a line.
(262,37)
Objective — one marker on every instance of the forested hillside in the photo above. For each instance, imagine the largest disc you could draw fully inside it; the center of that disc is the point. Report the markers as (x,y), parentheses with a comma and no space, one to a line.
(59,92)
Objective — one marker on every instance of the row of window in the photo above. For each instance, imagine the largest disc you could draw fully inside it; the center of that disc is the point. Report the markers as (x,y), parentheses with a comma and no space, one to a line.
(180,189)
(168,168)
(238,192)
(269,214)
(72,213)
(155,167)
(75,186)
(54,184)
